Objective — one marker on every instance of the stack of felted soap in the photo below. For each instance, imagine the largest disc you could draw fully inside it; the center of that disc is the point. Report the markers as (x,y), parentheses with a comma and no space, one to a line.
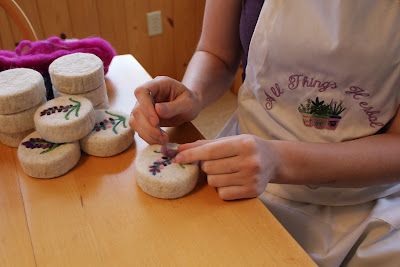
(54,148)
(64,122)
(80,74)
(22,91)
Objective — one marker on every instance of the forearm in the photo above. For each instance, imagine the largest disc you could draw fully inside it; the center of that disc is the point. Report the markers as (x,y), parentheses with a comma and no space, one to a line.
(362,162)
(213,66)
(208,76)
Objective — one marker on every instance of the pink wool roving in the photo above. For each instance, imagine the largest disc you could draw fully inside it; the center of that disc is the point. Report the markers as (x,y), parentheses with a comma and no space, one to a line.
(38,55)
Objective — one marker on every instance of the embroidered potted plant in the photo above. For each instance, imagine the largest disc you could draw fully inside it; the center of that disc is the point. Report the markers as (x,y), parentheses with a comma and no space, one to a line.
(335,109)
(320,112)
(305,110)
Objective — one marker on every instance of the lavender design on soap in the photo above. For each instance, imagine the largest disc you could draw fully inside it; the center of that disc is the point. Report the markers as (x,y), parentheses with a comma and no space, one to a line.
(112,121)
(160,164)
(66,109)
(34,143)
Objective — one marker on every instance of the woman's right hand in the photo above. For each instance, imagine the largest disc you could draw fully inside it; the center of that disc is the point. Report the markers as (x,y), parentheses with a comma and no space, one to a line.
(162,101)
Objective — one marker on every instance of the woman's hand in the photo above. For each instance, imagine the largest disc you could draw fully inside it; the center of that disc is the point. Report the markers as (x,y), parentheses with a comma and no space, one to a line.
(162,102)
(239,166)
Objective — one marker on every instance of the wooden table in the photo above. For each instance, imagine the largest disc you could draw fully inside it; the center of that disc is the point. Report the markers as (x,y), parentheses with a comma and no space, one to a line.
(97,216)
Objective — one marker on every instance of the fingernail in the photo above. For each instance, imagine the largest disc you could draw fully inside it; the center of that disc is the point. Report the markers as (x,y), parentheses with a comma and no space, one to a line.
(178,158)
(162,108)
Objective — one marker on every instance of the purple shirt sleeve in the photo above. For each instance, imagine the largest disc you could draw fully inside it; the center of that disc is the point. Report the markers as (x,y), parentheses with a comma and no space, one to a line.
(250,11)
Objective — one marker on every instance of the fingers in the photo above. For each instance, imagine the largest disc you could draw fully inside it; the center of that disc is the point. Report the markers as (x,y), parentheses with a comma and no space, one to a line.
(237,192)
(145,99)
(152,135)
(167,110)
(236,185)
(224,180)
(234,165)
(164,88)
(160,89)
(220,148)
(221,166)
(145,120)
(197,143)
(193,144)
(161,101)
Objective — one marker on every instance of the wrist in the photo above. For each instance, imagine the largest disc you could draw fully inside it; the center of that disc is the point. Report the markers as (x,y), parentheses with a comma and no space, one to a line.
(197,102)
(284,170)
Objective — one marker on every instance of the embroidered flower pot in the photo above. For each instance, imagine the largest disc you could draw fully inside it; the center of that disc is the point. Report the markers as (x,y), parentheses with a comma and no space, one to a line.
(333,122)
(320,122)
(335,109)
(307,119)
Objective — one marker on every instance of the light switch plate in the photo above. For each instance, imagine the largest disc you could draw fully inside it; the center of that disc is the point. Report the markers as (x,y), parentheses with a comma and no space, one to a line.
(154,23)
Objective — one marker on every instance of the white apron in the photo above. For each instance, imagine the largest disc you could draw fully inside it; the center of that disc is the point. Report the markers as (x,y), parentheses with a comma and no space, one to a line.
(327,71)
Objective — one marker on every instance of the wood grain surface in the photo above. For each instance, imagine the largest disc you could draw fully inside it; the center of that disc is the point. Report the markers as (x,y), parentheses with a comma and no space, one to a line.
(121,22)
(97,216)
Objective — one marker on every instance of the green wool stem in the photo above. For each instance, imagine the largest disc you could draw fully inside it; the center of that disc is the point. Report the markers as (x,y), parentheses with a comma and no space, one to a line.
(118,119)
(75,108)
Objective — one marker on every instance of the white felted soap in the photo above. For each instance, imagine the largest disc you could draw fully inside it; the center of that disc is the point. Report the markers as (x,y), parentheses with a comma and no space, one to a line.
(104,105)
(13,140)
(42,159)
(96,96)
(20,89)
(18,122)
(77,73)
(157,176)
(110,136)
(65,119)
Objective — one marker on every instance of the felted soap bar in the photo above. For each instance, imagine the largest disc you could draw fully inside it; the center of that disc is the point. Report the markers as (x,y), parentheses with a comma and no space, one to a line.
(111,134)
(18,122)
(77,73)
(96,96)
(104,105)
(65,119)
(20,89)
(158,176)
(42,159)
(13,140)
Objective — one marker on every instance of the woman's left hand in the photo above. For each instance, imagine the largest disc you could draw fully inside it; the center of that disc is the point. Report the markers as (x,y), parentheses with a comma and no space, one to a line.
(239,166)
